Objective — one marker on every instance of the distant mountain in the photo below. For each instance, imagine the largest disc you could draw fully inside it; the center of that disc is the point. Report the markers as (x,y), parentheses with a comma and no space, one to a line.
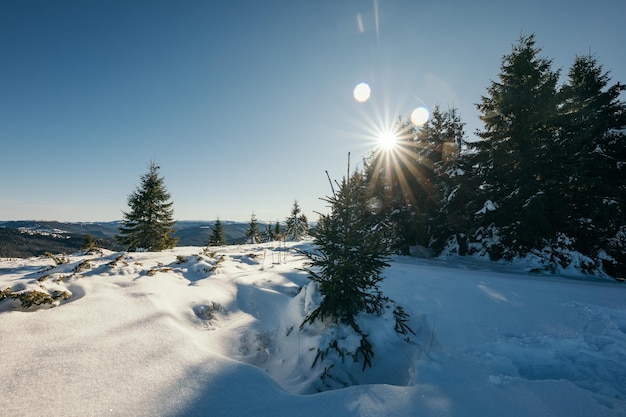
(24,238)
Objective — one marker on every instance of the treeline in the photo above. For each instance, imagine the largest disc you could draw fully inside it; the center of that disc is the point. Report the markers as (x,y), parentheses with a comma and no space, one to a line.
(547,177)
(16,244)
(149,222)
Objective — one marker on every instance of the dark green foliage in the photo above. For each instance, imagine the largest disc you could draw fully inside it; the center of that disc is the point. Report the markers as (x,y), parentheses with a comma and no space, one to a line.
(410,181)
(270,233)
(252,232)
(353,250)
(547,177)
(512,164)
(278,234)
(14,244)
(149,223)
(593,163)
(91,245)
(297,224)
(217,237)
(401,318)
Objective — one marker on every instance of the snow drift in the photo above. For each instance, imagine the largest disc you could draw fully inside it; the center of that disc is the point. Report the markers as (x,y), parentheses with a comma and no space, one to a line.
(198,332)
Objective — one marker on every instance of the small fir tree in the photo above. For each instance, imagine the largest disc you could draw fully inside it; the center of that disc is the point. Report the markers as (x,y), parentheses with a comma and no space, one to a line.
(353,250)
(217,237)
(149,223)
(252,232)
(90,245)
(277,232)
(268,235)
(297,224)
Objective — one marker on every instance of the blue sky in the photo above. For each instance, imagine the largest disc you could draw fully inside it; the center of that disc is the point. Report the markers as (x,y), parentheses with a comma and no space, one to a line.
(245,104)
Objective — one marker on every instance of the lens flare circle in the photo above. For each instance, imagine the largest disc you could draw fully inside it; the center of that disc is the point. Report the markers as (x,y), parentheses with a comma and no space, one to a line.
(420,116)
(362,92)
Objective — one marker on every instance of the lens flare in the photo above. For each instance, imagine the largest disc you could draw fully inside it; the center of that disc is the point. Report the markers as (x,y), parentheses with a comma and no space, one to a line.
(420,116)
(387,140)
(362,92)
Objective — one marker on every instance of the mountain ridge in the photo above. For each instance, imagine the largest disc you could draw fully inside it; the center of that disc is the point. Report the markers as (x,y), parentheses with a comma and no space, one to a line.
(25,238)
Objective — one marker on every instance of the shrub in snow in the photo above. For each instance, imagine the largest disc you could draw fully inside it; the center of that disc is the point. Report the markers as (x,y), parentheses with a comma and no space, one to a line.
(353,248)
(90,246)
(35,298)
(82,266)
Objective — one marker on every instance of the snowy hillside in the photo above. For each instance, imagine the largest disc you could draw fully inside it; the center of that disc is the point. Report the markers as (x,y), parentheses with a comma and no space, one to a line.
(192,332)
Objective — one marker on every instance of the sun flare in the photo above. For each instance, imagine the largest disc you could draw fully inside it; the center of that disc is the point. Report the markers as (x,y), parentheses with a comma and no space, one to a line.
(387,140)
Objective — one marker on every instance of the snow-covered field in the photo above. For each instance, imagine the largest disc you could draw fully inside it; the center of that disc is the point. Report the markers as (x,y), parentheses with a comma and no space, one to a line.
(188,332)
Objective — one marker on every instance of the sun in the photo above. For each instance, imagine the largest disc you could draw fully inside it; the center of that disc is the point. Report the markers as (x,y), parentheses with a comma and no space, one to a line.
(387,140)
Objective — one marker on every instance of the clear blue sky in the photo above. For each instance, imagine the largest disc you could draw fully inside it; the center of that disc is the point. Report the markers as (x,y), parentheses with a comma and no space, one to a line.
(245,104)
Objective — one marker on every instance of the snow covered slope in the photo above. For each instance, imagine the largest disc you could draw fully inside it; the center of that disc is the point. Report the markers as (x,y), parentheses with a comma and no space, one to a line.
(188,332)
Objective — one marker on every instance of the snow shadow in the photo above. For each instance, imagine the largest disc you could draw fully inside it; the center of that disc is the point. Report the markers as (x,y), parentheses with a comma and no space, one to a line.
(593,359)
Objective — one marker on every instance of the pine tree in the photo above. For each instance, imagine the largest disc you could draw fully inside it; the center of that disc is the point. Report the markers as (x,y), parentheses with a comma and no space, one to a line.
(277,232)
(592,151)
(353,250)
(252,232)
(217,237)
(409,182)
(297,224)
(149,223)
(268,235)
(512,162)
(90,245)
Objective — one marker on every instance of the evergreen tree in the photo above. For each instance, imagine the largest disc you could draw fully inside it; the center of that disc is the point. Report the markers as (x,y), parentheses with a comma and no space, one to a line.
(252,232)
(278,234)
(297,224)
(592,145)
(149,223)
(353,250)
(90,245)
(409,182)
(217,237)
(512,161)
(269,235)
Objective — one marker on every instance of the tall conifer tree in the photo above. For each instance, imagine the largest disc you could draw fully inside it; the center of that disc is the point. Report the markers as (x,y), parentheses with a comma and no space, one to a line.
(592,146)
(149,224)
(512,162)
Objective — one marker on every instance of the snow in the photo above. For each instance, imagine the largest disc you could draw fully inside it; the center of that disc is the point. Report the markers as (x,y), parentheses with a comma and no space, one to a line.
(488,206)
(193,332)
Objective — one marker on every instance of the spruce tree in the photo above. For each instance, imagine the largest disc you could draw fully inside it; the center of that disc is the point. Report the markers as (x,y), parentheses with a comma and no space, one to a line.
(297,224)
(149,223)
(410,181)
(353,250)
(252,232)
(592,144)
(217,237)
(512,162)
(278,234)
(268,235)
